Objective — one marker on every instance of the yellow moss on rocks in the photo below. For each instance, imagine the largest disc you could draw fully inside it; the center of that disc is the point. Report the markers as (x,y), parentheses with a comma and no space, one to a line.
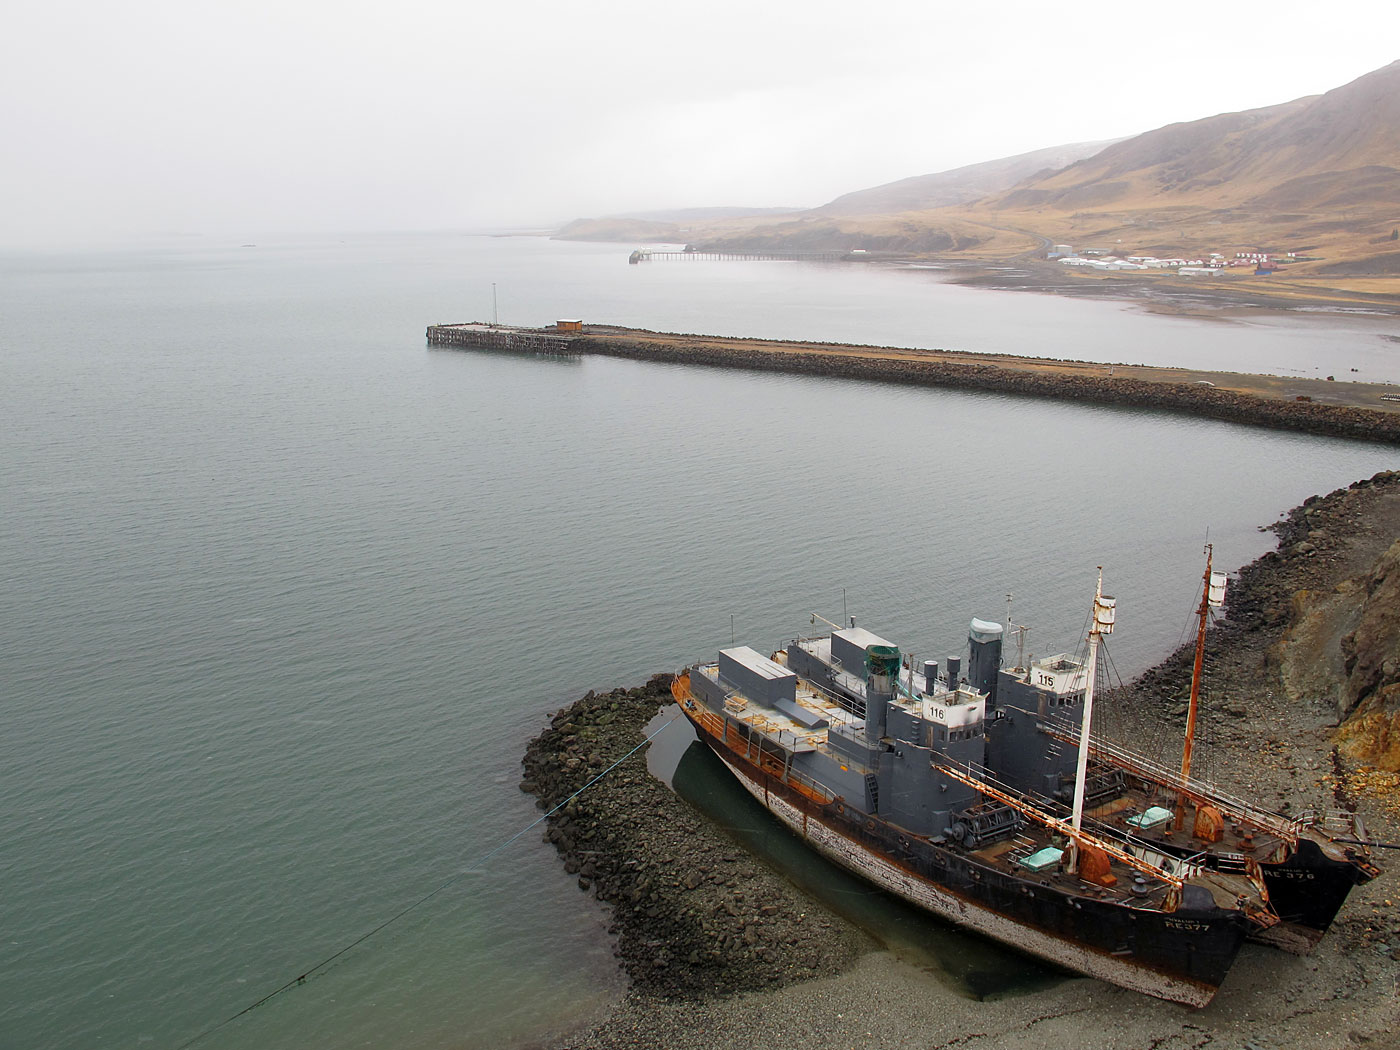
(1372,734)
(1379,784)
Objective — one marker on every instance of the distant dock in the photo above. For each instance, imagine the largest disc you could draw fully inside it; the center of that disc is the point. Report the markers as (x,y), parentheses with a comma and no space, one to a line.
(1358,411)
(642,255)
(475,335)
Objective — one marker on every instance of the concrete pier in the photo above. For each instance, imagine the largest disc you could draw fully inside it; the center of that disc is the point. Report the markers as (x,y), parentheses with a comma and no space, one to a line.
(477,336)
(1359,411)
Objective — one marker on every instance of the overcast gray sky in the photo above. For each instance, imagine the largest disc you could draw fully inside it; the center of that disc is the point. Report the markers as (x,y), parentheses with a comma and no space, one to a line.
(233,118)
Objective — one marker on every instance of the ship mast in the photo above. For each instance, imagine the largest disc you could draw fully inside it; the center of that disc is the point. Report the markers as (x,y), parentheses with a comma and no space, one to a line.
(1212,597)
(1101,623)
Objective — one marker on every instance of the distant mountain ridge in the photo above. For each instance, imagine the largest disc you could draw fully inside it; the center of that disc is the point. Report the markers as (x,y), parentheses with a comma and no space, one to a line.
(959,185)
(1318,177)
(1288,154)
(837,223)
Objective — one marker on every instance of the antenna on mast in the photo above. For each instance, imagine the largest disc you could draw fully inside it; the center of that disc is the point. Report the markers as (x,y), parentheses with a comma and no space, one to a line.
(1020,630)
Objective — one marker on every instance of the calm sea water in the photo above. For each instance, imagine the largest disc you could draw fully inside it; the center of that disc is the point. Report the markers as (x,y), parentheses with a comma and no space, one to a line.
(286,593)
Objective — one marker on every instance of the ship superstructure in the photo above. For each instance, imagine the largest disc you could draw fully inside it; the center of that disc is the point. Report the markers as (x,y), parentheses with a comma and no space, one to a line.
(939,787)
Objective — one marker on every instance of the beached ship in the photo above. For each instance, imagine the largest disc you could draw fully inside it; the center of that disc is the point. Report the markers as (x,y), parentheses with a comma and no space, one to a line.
(1309,862)
(918,779)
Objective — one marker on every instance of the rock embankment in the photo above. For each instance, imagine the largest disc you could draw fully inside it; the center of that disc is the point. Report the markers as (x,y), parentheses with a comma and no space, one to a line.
(694,914)
(947,370)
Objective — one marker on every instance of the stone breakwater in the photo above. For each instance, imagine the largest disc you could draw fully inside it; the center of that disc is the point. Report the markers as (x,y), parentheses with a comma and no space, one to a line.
(974,373)
(694,914)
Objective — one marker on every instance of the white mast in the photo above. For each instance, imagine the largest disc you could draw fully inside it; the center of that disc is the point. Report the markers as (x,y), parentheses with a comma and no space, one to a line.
(1101,623)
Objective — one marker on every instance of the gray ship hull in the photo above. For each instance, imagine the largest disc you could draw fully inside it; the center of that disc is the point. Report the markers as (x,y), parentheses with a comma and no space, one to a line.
(1181,957)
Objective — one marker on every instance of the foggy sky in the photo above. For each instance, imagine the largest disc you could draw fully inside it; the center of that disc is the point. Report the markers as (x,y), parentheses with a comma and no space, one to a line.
(229,119)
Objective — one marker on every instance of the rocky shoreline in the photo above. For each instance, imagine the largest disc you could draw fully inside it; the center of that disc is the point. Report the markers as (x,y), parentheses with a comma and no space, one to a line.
(694,914)
(720,951)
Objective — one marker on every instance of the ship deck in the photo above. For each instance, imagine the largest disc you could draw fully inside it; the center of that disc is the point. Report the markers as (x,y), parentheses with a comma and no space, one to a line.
(789,731)
(797,735)
(1241,840)
(1007,854)
(1225,888)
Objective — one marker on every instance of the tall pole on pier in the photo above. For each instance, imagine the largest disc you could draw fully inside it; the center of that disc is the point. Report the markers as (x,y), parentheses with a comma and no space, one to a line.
(495,314)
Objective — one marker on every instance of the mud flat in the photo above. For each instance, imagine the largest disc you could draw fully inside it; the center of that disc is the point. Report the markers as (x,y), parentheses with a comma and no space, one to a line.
(723,952)
(1200,296)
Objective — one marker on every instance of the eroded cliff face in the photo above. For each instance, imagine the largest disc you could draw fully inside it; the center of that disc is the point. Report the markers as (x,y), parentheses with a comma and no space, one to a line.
(1341,641)
(1371,695)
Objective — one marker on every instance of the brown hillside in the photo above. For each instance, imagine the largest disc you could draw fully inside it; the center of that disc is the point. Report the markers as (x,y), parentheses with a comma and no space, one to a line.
(1295,155)
(1179,158)
(1318,177)
(958,185)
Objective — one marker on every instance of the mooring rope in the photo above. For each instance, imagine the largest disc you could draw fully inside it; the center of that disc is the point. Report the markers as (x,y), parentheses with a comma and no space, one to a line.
(302,978)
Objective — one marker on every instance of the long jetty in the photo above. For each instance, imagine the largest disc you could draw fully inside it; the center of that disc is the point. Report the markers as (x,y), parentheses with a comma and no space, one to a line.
(1359,411)
(642,255)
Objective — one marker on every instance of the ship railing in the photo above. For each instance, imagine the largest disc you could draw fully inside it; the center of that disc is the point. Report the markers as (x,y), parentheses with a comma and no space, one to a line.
(733,698)
(1139,765)
(1333,821)
(719,726)
(1186,868)
(975,777)
(857,683)
(809,787)
(835,698)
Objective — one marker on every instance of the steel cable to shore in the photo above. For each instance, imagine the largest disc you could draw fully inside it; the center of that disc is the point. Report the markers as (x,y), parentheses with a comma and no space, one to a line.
(469,869)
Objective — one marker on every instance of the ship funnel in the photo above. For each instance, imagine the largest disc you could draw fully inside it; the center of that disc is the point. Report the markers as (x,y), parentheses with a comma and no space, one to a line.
(954,670)
(881,668)
(984,659)
(881,672)
(930,675)
(1216,598)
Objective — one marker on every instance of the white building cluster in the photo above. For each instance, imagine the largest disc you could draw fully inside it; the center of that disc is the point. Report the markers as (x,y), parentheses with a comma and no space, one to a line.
(1145,262)
(1213,264)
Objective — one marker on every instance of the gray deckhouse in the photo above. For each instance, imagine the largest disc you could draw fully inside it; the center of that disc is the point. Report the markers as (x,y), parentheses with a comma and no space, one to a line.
(848,714)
